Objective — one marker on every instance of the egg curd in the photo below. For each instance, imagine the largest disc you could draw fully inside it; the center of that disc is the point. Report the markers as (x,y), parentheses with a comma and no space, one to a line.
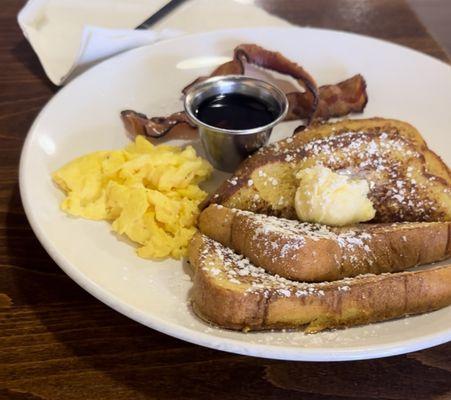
(149,193)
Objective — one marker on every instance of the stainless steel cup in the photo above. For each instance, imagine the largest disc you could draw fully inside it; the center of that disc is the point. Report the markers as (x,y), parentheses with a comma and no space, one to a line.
(226,148)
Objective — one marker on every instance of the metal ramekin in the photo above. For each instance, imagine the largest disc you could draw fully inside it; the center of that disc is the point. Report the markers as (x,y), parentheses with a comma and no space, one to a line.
(225,148)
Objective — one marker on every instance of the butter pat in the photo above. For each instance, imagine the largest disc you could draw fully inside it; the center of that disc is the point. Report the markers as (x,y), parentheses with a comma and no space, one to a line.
(326,197)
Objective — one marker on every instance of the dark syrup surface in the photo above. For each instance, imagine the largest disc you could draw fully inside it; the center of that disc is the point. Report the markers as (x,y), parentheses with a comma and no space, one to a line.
(236,111)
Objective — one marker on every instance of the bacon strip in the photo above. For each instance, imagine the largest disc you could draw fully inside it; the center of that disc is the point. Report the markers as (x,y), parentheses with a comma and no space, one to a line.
(156,127)
(337,100)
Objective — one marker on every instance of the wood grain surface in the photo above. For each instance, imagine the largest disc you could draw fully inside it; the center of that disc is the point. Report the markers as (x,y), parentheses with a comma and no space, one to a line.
(57,342)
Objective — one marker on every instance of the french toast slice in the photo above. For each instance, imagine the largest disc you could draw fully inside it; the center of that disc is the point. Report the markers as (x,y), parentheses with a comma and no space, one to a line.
(231,292)
(408,182)
(314,253)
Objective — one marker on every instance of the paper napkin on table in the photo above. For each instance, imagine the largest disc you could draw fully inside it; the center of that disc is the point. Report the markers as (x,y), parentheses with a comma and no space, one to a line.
(71,35)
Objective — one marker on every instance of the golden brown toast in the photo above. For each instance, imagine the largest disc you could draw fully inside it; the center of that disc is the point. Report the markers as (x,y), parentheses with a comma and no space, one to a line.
(231,292)
(314,253)
(408,182)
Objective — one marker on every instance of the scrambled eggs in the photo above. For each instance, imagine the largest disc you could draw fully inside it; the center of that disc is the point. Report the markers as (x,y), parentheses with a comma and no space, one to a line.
(149,193)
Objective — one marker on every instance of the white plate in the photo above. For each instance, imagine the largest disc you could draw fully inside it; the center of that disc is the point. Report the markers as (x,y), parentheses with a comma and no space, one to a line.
(84,116)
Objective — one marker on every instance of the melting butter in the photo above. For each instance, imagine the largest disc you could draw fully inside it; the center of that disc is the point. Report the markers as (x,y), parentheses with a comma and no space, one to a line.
(325,197)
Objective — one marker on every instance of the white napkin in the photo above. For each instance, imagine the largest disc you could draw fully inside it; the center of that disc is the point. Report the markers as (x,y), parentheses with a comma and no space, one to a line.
(71,35)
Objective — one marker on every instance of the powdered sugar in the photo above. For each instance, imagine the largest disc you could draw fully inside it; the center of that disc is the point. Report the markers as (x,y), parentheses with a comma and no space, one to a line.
(383,157)
(289,236)
(239,270)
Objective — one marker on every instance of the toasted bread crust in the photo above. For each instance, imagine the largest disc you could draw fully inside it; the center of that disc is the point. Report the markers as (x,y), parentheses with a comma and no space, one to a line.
(235,303)
(409,182)
(290,250)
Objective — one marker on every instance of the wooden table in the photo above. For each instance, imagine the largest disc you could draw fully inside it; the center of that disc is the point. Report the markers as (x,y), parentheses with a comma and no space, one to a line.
(57,342)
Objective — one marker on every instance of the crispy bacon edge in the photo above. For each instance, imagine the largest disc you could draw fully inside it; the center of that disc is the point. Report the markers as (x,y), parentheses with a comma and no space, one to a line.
(343,98)
(155,127)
